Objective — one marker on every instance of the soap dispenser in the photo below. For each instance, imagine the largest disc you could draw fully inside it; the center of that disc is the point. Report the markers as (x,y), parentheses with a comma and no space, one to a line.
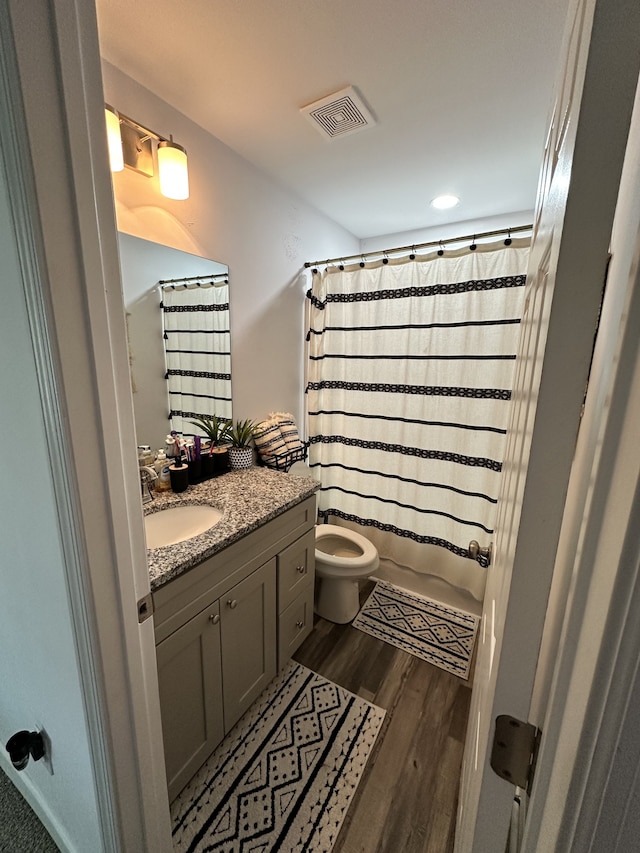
(163,483)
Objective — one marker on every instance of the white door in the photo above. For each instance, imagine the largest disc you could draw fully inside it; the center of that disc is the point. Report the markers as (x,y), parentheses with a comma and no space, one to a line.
(76,661)
(577,193)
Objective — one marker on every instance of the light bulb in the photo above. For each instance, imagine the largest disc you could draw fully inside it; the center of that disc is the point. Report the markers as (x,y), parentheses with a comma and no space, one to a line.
(172,170)
(114,140)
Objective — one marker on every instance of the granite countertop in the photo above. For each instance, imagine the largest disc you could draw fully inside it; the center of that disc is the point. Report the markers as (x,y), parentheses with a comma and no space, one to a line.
(248,499)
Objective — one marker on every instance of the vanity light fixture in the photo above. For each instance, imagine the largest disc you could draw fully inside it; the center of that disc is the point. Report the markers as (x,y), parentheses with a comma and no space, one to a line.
(172,170)
(114,140)
(130,144)
(444,202)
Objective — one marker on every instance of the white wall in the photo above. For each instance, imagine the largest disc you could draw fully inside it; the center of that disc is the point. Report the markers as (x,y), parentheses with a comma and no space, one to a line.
(238,216)
(40,684)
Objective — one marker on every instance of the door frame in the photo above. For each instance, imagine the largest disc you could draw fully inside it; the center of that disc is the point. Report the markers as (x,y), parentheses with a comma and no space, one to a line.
(585,154)
(60,190)
(586,771)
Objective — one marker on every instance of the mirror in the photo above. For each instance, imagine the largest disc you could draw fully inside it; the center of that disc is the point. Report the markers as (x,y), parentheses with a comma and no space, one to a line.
(143,265)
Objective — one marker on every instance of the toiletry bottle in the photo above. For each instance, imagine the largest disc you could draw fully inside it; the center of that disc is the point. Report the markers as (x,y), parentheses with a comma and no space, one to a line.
(163,483)
(145,456)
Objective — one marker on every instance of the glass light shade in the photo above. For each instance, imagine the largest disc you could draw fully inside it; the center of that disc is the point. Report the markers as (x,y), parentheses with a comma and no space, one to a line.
(172,170)
(114,140)
(444,202)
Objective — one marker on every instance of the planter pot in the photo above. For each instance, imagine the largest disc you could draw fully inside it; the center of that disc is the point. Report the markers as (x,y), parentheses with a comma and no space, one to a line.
(240,457)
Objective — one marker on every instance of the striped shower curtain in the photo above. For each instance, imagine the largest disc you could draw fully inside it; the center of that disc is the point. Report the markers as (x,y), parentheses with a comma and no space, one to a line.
(409,374)
(197,352)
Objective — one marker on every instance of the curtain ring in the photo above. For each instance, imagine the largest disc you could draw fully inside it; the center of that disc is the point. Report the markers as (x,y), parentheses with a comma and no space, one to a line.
(362,261)
(508,241)
(341,265)
(441,249)
(412,256)
(473,245)
(385,259)
(314,271)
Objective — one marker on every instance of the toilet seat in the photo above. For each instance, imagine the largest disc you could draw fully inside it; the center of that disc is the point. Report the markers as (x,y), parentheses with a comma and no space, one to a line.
(369,552)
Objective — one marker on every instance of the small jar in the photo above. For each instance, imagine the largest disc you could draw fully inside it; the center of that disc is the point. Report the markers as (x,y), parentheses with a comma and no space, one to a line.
(179,476)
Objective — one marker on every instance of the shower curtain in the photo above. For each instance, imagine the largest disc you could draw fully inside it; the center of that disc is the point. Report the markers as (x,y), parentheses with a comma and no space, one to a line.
(409,373)
(197,352)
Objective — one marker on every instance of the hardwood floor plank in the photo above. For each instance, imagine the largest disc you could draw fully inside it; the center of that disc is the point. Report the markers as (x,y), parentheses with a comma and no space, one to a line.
(407,798)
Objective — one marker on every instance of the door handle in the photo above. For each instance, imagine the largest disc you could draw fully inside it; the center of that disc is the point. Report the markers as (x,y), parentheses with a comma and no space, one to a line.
(24,745)
(482,555)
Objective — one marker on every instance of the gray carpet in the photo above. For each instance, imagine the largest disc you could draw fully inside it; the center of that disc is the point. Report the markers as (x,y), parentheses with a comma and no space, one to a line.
(20,828)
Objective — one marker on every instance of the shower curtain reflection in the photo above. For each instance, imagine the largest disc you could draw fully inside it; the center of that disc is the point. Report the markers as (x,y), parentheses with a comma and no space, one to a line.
(409,373)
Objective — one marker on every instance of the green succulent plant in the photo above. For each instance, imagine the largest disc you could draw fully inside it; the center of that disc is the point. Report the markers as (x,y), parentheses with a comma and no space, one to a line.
(240,433)
(216,429)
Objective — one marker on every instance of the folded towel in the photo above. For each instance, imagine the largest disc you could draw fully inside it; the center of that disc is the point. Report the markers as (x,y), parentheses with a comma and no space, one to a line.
(269,439)
(288,429)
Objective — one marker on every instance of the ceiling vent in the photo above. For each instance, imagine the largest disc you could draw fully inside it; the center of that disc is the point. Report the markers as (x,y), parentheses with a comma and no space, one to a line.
(340,114)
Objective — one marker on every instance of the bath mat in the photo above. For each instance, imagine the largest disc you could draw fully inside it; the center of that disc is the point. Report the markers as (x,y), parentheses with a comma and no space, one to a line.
(284,776)
(440,635)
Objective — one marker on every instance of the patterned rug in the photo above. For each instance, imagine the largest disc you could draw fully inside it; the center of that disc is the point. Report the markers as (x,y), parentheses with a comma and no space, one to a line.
(424,628)
(283,778)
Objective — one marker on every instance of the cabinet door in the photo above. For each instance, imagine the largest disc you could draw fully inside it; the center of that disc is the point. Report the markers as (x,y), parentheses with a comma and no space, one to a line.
(248,621)
(295,624)
(295,568)
(190,682)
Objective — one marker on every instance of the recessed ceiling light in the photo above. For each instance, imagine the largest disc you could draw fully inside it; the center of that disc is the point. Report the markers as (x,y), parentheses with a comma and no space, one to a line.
(444,202)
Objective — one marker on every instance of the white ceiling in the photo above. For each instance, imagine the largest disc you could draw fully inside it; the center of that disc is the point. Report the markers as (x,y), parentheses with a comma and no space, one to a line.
(460,90)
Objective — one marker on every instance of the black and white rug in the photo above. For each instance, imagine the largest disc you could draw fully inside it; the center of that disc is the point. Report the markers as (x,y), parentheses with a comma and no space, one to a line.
(283,778)
(420,626)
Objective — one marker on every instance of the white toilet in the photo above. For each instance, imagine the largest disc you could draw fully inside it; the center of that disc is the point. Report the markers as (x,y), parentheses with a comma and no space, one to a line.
(343,557)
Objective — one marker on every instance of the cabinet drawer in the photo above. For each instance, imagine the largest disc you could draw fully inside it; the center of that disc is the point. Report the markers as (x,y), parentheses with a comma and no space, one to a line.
(295,569)
(295,624)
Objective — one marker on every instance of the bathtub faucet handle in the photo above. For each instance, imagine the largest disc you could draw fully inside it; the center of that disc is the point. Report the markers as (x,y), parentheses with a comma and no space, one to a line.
(482,555)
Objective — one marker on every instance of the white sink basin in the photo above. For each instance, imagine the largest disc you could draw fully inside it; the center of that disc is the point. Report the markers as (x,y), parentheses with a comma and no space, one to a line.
(179,523)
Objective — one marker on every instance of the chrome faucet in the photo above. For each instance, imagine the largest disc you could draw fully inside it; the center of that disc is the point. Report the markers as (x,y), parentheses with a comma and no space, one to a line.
(147,477)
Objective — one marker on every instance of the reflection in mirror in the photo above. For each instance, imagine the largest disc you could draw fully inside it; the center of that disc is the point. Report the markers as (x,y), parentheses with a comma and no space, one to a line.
(143,266)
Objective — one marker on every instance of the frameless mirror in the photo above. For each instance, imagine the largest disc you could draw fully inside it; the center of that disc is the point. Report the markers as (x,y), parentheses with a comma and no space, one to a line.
(143,266)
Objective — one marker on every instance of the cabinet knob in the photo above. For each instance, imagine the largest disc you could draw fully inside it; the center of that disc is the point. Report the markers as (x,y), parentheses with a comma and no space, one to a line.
(214,618)
(232,603)
(300,569)
(299,624)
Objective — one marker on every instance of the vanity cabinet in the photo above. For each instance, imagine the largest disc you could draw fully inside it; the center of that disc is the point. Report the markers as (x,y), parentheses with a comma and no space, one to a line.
(224,628)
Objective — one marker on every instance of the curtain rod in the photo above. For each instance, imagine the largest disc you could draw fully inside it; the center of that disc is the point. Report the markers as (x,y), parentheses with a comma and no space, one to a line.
(195,279)
(404,249)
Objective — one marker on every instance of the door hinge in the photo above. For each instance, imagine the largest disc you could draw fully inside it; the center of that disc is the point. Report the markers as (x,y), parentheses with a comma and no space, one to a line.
(515,750)
(145,607)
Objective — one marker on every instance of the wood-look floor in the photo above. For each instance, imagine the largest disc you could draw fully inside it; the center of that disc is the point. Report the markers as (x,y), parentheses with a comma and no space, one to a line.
(407,799)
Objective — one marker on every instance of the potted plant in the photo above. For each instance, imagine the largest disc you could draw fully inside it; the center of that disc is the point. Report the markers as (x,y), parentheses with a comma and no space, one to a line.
(215,460)
(240,434)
